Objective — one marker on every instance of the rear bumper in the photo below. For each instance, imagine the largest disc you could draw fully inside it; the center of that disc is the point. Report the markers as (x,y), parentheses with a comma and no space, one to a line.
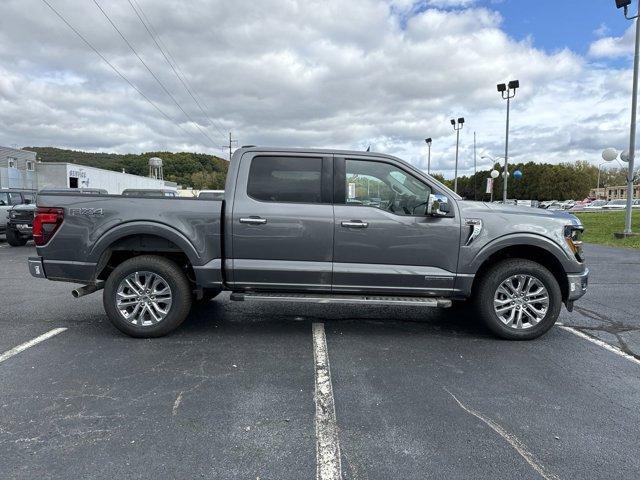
(578,283)
(36,269)
(62,271)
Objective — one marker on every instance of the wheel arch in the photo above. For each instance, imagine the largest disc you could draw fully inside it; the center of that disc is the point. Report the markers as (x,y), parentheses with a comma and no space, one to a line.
(535,253)
(142,238)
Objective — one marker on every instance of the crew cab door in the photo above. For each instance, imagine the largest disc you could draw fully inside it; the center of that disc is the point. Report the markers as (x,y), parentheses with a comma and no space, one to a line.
(384,240)
(282,229)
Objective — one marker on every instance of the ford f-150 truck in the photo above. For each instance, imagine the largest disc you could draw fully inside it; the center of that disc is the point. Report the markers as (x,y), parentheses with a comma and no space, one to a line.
(322,226)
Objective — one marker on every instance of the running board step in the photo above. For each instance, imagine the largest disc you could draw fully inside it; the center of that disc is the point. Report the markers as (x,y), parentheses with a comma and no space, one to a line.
(436,302)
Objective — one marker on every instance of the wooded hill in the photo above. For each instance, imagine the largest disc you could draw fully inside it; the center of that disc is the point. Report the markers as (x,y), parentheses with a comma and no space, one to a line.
(195,170)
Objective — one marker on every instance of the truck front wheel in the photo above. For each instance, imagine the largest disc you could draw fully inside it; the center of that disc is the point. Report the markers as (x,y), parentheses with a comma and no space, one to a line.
(519,299)
(15,239)
(147,296)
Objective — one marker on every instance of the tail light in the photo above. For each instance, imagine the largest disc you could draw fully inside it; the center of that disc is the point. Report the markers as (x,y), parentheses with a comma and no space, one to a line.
(45,223)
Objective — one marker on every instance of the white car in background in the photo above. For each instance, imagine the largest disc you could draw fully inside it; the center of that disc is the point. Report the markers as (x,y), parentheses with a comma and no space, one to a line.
(615,205)
(595,205)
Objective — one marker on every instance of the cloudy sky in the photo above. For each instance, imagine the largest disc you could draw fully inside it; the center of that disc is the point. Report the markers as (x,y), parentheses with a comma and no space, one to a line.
(330,73)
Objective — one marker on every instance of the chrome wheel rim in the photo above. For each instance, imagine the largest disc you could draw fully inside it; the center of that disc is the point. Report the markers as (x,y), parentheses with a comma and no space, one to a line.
(521,301)
(143,298)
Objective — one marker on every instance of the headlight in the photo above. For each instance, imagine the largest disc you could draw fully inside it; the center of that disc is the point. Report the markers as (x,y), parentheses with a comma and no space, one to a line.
(573,237)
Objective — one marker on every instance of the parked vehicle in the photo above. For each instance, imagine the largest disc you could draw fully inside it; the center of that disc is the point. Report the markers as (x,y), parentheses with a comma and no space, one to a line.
(9,198)
(86,191)
(19,224)
(615,205)
(286,232)
(595,205)
(211,195)
(579,206)
(149,192)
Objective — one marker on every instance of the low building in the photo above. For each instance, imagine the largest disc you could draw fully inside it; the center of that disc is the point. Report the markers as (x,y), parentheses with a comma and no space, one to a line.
(19,169)
(71,175)
(618,192)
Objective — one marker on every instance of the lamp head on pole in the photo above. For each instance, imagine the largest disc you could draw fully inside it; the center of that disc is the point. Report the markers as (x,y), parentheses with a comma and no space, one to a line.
(623,3)
(502,87)
(513,84)
(453,122)
(609,154)
(461,120)
(427,141)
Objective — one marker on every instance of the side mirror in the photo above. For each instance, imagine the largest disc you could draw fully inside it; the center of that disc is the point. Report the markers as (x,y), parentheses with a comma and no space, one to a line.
(438,205)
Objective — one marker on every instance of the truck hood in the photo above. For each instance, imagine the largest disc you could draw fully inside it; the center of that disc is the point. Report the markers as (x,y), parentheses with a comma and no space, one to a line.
(24,207)
(515,213)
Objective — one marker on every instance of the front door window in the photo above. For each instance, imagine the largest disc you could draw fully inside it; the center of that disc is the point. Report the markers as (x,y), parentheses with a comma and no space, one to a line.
(384,186)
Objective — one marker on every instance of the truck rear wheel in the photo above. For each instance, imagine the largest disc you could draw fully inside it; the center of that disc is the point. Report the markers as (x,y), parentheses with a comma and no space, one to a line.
(15,239)
(519,299)
(147,296)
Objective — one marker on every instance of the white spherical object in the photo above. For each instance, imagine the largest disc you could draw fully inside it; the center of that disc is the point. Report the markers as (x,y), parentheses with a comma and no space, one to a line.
(624,156)
(495,173)
(609,154)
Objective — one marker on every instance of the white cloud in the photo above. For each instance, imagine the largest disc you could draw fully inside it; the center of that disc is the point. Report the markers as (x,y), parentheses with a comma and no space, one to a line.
(450,3)
(610,47)
(302,73)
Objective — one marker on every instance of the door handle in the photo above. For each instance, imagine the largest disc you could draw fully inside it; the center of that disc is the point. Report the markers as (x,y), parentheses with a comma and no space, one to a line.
(253,220)
(355,224)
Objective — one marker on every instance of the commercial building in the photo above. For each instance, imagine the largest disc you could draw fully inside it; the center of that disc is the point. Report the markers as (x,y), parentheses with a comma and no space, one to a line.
(618,192)
(19,169)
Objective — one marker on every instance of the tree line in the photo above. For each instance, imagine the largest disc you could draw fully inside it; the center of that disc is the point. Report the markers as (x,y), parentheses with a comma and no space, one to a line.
(196,170)
(539,181)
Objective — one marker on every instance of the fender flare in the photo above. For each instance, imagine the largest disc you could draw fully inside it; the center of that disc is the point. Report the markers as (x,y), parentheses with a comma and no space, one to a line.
(520,239)
(143,228)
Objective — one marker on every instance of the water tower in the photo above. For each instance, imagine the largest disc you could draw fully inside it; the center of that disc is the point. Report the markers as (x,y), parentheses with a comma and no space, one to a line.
(155,168)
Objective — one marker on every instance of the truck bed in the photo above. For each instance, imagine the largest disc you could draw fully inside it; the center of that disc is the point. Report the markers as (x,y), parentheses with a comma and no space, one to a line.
(96,225)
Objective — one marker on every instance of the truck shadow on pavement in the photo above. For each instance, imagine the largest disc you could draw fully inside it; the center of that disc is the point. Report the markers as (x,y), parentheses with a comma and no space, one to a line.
(452,322)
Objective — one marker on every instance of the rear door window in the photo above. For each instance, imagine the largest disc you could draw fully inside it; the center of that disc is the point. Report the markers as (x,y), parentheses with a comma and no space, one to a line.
(286,179)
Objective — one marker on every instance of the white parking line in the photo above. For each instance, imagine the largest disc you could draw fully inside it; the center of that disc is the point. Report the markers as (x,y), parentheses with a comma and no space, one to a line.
(601,343)
(327,445)
(30,343)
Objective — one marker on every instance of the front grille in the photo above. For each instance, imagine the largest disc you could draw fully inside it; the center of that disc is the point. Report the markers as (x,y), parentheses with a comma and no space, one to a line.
(18,215)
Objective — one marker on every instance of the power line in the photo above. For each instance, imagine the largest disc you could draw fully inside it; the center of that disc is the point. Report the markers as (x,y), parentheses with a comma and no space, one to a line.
(152,74)
(153,33)
(115,69)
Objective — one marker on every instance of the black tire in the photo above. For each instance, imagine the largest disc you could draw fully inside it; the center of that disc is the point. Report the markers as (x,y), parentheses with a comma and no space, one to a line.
(15,239)
(174,277)
(489,284)
(207,296)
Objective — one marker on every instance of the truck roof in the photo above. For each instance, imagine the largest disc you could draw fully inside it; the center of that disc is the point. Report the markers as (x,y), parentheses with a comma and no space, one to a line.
(313,150)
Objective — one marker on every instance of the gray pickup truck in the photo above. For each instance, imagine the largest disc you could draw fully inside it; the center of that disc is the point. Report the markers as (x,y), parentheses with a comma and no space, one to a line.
(322,226)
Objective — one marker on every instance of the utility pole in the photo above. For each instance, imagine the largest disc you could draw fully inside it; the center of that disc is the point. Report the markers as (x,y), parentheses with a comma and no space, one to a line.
(230,146)
(475,170)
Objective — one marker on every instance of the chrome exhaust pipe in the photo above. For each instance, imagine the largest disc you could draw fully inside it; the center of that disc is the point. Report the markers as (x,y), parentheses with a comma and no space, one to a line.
(86,290)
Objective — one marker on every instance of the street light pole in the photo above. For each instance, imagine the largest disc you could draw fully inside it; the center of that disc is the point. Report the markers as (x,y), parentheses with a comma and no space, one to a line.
(457,126)
(428,142)
(632,134)
(475,168)
(507,92)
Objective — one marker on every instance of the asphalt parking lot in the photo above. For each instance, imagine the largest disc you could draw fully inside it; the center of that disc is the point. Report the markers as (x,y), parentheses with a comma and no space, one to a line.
(418,394)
